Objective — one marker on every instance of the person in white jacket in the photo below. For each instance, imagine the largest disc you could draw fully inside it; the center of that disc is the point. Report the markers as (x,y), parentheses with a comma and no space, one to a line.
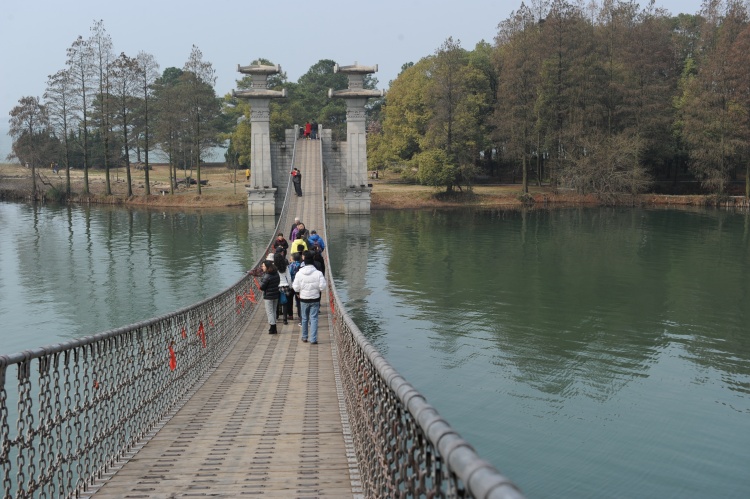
(308,284)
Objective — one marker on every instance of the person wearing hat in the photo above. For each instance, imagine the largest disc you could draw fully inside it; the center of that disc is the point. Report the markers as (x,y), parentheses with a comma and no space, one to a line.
(308,283)
(269,284)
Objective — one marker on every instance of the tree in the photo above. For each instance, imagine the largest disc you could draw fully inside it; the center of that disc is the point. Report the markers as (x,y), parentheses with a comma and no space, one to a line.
(519,70)
(405,117)
(28,127)
(170,130)
(80,66)
(203,109)
(147,73)
(60,104)
(710,118)
(101,48)
(125,91)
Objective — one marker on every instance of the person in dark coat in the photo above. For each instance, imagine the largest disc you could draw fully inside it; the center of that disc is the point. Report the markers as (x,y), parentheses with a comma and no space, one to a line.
(269,284)
(280,245)
(297,181)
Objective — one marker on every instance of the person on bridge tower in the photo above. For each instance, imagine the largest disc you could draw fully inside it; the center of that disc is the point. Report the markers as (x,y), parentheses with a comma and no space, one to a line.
(269,284)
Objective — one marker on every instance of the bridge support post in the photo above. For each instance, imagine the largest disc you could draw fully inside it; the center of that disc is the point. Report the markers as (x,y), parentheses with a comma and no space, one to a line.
(261,194)
(355,191)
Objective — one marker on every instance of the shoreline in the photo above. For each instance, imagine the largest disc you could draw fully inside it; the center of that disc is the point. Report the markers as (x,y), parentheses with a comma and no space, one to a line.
(224,190)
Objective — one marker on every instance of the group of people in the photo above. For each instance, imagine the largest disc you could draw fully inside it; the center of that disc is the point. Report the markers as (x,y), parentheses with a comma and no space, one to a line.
(311,130)
(297,273)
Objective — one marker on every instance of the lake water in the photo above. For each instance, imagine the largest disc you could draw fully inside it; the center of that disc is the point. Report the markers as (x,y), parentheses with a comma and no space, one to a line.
(584,352)
(67,272)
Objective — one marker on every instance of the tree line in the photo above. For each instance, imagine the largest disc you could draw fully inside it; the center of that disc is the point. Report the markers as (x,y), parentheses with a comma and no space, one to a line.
(103,111)
(604,99)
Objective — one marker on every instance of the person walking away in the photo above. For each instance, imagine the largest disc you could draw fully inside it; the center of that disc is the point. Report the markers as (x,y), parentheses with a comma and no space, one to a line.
(294,265)
(319,262)
(309,283)
(280,245)
(308,130)
(293,229)
(297,181)
(299,241)
(269,284)
(247,174)
(317,245)
(314,130)
(285,286)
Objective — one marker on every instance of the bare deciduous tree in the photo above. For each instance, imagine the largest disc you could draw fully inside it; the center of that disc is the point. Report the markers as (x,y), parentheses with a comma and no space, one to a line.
(60,102)
(28,124)
(125,91)
(80,65)
(147,75)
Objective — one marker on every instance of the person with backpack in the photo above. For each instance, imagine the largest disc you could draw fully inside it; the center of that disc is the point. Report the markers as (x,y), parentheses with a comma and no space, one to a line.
(315,242)
(285,287)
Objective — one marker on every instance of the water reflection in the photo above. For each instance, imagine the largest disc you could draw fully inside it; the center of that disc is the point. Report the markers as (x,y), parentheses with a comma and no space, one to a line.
(575,348)
(74,271)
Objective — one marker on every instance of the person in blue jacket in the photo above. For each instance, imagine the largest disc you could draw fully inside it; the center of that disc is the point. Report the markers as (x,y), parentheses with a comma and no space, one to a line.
(314,241)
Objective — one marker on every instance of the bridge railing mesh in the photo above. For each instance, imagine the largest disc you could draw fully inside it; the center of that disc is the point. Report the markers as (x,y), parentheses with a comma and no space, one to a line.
(404,447)
(82,405)
(70,412)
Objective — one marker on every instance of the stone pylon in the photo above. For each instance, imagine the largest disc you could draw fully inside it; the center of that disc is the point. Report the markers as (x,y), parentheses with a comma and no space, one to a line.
(356,192)
(261,193)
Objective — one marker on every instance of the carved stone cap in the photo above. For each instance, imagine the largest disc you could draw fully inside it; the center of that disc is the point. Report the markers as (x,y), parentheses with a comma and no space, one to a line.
(355,69)
(259,93)
(354,94)
(259,69)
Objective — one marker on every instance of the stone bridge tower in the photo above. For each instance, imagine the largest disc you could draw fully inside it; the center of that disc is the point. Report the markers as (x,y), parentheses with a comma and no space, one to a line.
(348,191)
(261,193)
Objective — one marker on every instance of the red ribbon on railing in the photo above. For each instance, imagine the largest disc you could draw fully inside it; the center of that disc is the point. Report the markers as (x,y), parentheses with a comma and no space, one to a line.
(202,334)
(184,332)
(251,296)
(172,357)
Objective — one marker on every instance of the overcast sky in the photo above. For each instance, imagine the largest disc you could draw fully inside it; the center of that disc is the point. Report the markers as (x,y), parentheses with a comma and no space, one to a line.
(294,34)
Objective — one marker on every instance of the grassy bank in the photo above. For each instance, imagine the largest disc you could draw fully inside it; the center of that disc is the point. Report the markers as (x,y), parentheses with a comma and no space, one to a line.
(224,190)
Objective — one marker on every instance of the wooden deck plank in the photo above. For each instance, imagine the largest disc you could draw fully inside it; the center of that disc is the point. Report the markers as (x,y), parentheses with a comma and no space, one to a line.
(267,422)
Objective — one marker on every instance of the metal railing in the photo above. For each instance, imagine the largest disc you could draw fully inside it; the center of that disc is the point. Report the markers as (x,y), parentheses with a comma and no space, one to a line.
(82,405)
(403,447)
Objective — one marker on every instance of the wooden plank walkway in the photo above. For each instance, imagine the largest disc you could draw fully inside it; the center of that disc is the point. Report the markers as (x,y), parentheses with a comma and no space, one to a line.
(269,421)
